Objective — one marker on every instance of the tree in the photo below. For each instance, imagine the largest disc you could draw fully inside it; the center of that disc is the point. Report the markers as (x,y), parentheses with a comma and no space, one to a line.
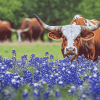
(89,9)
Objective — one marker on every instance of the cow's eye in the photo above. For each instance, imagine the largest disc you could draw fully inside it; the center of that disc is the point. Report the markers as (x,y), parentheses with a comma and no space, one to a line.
(64,38)
(77,38)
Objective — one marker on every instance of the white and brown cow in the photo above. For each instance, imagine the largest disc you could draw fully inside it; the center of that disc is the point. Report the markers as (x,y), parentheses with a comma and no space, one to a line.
(5,31)
(31,29)
(77,38)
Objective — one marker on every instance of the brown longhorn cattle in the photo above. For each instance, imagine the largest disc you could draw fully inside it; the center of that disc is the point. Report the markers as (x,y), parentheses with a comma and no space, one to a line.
(31,29)
(5,31)
(82,36)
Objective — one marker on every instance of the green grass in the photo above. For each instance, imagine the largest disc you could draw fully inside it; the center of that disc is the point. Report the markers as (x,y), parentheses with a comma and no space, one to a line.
(38,50)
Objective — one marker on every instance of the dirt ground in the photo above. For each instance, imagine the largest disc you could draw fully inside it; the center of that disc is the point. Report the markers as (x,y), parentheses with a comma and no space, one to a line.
(28,43)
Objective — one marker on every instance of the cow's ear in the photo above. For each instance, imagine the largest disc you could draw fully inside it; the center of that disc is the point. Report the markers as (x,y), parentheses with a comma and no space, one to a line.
(87,35)
(55,35)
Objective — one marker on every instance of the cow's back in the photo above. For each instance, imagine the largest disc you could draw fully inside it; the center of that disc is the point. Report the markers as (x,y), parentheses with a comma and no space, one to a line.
(79,20)
(36,24)
(36,28)
(4,25)
(24,24)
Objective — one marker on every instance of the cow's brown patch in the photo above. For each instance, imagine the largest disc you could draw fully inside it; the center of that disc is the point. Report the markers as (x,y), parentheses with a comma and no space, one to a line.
(87,34)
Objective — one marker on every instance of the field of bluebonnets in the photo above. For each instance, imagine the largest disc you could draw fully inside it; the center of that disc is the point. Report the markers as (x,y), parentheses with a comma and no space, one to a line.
(44,78)
(48,78)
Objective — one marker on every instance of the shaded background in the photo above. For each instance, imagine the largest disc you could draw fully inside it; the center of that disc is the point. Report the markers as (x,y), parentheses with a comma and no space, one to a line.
(52,12)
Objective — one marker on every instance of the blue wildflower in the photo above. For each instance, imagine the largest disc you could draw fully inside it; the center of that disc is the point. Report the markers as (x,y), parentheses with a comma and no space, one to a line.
(25,95)
(14,52)
(70,57)
(51,56)
(46,94)
(57,94)
(46,53)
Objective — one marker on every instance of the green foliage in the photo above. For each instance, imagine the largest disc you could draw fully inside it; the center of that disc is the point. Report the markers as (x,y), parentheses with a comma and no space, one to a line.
(5,51)
(52,12)
(11,10)
(90,9)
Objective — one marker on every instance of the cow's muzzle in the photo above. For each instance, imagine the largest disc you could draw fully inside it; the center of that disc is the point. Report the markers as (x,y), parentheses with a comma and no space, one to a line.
(70,51)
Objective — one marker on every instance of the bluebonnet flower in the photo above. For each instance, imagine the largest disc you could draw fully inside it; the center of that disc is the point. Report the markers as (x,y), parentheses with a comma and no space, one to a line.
(37,76)
(51,63)
(25,95)
(80,89)
(51,57)
(70,57)
(74,62)
(46,53)
(15,82)
(60,82)
(79,58)
(97,98)
(82,56)
(98,58)
(83,97)
(46,94)
(57,94)
(32,56)
(36,85)
(85,77)
(24,57)
(27,76)
(36,94)
(14,58)
(14,52)
(1,59)
(73,89)
(70,93)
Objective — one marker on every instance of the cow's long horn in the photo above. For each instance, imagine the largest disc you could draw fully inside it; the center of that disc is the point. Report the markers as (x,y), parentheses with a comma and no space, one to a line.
(11,29)
(47,27)
(25,30)
(91,28)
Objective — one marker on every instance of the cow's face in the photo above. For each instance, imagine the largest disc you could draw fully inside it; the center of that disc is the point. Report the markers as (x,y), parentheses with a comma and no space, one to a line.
(71,40)
(71,35)
(82,38)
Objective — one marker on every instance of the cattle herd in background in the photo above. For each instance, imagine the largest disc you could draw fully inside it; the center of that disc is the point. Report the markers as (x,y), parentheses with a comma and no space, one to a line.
(30,29)
(81,36)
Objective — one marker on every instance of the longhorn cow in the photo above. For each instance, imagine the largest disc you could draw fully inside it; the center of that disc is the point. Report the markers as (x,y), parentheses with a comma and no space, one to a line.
(77,38)
(31,29)
(5,30)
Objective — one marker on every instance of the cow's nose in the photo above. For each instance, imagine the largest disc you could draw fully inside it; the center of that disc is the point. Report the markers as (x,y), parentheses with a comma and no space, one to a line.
(70,51)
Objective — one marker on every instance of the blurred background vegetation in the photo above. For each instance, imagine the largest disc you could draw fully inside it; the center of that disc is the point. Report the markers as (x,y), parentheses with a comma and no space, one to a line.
(52,12)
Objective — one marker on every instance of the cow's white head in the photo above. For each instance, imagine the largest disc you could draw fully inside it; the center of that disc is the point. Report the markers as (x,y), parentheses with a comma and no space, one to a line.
(69,35)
